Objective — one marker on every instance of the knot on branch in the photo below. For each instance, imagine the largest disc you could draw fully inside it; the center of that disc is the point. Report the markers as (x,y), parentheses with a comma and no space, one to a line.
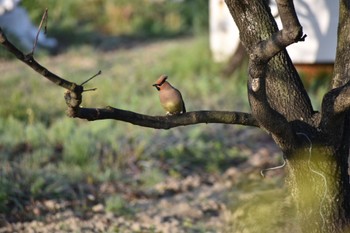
(255,84)
(73,101)
(294,34)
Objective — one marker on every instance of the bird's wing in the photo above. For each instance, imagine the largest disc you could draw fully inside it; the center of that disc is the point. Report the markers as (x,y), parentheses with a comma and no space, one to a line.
(183,107)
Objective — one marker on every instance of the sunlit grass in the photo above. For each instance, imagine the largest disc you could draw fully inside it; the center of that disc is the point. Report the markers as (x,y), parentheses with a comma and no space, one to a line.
(45,154)
(55,153)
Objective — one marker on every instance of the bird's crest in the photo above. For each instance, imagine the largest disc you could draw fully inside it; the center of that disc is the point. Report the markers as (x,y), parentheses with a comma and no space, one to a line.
(161,80)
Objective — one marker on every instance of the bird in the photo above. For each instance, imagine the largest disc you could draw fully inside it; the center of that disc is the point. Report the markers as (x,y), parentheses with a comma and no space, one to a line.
(170,98)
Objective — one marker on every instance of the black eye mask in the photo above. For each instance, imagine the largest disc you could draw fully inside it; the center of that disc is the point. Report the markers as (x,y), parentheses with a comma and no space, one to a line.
(160,84)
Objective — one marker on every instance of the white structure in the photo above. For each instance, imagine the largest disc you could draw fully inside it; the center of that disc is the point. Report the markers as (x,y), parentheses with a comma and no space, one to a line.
(14,20)
(224,35)
(319,19)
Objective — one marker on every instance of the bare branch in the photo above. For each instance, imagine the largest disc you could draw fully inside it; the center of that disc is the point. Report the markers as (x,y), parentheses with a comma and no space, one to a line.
(288,16)
(73,101)
(31,62)
(43,21)
(292,32)
(164,122)
(89,79)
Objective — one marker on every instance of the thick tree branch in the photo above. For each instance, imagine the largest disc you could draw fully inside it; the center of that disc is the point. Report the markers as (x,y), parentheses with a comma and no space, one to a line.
(263,42)
(268,118)
(292,32)
(335,103)
(341,74)
(342,101)
(164,122)
(289,18)
(73,101)
(260,55)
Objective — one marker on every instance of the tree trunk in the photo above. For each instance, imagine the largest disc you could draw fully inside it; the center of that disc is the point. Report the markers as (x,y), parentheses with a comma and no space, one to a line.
(319,186)
(315,144)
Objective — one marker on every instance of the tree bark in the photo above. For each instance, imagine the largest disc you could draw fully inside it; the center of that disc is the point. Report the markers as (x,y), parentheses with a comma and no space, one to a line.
(315,145)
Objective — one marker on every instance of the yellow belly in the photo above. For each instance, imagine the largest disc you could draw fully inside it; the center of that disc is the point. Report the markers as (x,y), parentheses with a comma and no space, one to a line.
(172,107)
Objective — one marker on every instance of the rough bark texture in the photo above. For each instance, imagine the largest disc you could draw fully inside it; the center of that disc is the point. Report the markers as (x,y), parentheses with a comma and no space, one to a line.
(315,145)
(285,91)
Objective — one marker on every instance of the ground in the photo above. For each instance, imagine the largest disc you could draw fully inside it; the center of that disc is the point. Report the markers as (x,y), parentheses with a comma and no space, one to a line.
(197,203)
(115,177)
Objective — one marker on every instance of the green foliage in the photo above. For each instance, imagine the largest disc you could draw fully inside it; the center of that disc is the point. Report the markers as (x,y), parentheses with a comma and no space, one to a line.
(119,17)
(198,148)
(118,205)
(151,175)
(44,154)
(261,207)
(5,193)
(317,87)
(11,132)
(79,147)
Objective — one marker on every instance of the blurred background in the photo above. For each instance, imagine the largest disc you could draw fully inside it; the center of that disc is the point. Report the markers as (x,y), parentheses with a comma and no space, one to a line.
(114,176)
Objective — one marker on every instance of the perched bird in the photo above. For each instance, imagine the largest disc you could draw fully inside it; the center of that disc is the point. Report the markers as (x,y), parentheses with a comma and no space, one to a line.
(170,97)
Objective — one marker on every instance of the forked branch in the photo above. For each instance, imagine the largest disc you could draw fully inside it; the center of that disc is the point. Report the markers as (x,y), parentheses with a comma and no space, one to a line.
(32,63)
(260,55)
(292,32)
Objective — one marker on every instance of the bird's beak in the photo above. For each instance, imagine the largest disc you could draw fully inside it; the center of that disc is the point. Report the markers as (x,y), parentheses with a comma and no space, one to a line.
(156,86)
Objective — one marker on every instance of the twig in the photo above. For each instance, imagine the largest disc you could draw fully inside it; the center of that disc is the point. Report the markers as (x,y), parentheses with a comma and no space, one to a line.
(43,20)
(91,89)
(95,75)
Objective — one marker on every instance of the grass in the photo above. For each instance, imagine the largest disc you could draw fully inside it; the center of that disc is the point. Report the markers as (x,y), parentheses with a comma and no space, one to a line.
(76,22)
(45,154)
